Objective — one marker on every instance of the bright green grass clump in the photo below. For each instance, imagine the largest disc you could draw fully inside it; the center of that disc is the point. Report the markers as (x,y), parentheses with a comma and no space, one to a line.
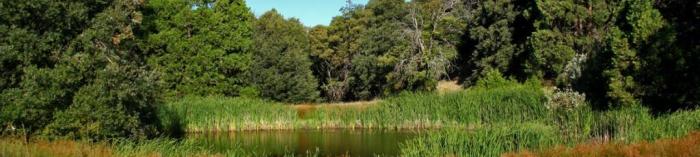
(488,141)
(206,114)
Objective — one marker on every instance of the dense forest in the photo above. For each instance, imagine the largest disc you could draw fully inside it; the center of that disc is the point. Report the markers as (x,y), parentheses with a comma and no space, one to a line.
(100,69)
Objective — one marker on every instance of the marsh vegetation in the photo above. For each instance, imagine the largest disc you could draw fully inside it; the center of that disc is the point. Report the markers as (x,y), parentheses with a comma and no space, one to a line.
(396,77)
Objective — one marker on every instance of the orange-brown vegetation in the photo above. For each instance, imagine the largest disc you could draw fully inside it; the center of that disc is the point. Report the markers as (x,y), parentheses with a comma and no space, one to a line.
(688,146)
(36,148)
(448,86)
(304,109)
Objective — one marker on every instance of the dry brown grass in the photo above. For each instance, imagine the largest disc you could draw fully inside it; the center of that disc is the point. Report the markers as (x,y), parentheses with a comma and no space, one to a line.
(16,147)
(61,148)
(688,146)
(304,109)
(448,86)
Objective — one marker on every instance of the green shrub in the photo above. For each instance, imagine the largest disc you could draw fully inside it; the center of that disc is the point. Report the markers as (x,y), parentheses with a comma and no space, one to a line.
(115,105)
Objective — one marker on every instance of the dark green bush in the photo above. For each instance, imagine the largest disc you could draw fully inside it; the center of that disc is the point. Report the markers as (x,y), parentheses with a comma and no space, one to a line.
(120,102)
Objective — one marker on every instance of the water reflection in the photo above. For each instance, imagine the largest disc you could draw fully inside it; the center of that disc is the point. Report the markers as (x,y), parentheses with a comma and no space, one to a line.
(328,142)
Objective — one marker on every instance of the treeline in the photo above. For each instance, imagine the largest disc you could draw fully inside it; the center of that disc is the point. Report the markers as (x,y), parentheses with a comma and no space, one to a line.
(618,53)
(101,68)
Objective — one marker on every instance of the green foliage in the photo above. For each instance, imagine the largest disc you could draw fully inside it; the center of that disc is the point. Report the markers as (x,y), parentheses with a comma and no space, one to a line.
(43,92)
(202,50)
(281,64)
(32,31)
(493,79)
(668,53)
(490,41)
(430,28)
(92,65)
(334,48)
(119,103)
(33,34)
(551,51)
(505,101)
(567,34)
(385,47)
(618,70)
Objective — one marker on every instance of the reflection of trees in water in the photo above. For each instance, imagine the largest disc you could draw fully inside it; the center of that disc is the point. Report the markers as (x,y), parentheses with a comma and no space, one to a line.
(328,142)
(304,142)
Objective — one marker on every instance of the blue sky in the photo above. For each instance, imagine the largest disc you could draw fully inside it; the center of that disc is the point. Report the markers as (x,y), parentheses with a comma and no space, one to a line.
(310,12)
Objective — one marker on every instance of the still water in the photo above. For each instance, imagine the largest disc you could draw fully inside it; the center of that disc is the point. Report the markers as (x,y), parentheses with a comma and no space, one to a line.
(299,142)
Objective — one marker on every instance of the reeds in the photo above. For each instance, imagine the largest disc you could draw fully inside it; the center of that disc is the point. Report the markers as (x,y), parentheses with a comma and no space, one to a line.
(563,128)
(213,114)
(488,141)
(687,146)
(512,103)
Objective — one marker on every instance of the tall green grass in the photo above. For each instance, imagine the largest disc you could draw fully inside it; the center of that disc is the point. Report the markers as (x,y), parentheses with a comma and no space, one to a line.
(206,114)
(507,102)
(570,127)
(488,141)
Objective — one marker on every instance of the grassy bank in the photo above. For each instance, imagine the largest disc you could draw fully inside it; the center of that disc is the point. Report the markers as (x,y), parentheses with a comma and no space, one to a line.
(42,148)
(507,103)
(69,148)
(566,128)
(686,146)
(121,148)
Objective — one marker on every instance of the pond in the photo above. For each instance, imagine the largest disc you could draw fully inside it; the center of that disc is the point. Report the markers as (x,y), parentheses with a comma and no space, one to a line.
(338,142)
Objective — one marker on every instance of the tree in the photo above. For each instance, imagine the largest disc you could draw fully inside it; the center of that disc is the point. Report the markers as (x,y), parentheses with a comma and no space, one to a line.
(92,56)
(200,47)
(431,29)
(668,54)
(551,52)
(385,47)
(334,65)
(380,44)
(282,68)
(493,39)
(568,34)
(120,103)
